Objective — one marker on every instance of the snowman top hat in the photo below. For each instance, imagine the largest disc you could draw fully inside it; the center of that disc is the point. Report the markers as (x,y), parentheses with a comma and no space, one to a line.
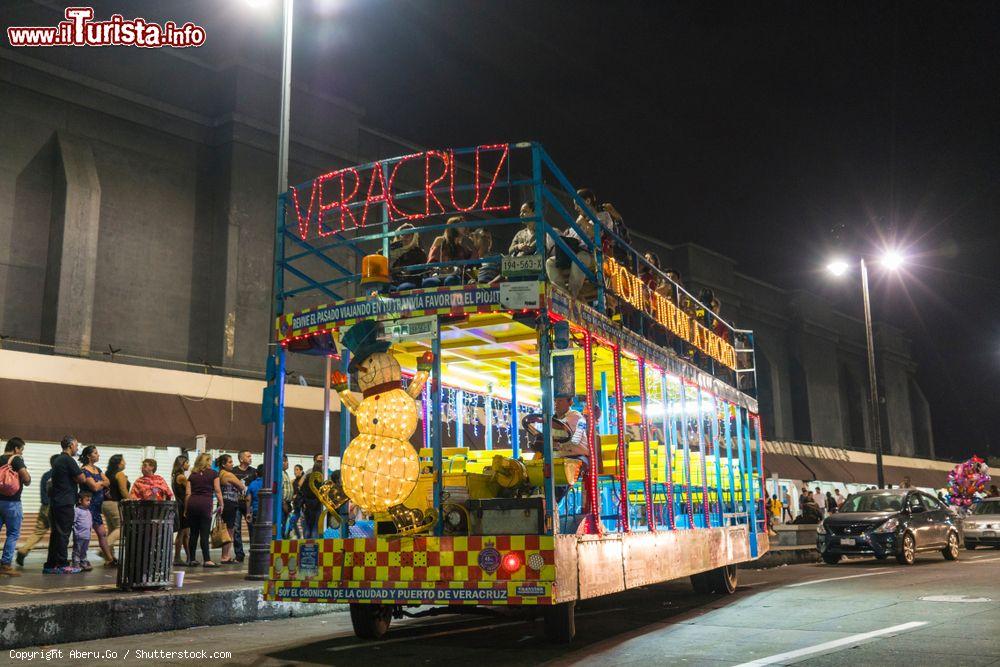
(362,340)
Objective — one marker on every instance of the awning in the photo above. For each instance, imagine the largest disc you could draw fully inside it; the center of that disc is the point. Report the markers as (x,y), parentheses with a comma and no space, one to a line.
(786,467)
(42,411)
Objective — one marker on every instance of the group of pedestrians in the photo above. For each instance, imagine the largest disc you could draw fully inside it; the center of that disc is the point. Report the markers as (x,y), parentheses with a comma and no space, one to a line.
(813,506)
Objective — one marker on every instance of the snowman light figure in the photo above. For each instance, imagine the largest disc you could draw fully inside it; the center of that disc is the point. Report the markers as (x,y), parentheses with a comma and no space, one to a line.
(379,468)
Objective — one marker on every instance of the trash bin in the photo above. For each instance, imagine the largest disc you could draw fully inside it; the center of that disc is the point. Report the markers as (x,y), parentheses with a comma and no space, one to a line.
(146,546)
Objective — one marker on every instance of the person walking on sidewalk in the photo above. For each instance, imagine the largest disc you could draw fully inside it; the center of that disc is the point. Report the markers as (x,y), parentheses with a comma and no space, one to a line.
(14,477)
(201,485)
(42,521)
(88,462)
(245,473)
(66,476)
(83,524)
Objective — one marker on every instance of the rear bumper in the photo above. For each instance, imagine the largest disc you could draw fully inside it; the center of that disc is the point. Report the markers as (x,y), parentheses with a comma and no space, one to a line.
(977,538)
(880,545)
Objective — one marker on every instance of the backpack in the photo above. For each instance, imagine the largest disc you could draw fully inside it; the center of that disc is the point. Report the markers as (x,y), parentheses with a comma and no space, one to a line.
(10,481)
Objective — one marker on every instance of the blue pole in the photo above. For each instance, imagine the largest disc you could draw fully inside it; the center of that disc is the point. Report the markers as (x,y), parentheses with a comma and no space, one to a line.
(718,459)
(546,381)
(753,488)
(345,438)
(435,427)
(669,440)
(729,456)
(488,417)
(541,227)
(703,450)
(515,425)
(604,404)
(279,439)
(687,457)
(459,418)
(742,460)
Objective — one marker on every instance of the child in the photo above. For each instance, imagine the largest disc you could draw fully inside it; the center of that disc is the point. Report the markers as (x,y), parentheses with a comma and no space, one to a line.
(488,271)
(82,525)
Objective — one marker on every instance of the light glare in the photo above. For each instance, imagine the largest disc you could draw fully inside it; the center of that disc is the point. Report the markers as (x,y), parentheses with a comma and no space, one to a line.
(837,267)
(892,259)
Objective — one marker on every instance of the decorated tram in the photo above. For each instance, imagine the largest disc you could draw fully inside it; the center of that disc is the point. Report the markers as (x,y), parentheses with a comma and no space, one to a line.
(519,428)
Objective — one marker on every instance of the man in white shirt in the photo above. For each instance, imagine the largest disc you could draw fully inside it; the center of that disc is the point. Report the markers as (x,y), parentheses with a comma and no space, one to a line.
(839,499)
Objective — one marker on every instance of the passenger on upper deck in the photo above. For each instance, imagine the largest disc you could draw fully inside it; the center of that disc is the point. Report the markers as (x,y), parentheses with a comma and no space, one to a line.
(404,252)
(524,242)
(482,240)
(561,270)
(449,247)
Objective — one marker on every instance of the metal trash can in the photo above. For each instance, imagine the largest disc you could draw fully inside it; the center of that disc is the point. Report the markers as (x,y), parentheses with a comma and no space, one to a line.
(146,546)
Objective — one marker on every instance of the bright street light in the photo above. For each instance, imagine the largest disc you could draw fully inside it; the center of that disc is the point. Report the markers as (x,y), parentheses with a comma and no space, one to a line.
(892,259)
(838,267)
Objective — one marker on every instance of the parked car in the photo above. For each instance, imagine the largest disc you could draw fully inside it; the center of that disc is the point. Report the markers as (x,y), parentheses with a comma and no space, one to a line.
(889,522)
(982,525)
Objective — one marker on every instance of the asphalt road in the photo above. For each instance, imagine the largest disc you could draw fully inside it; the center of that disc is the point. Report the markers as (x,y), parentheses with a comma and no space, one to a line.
(862,612)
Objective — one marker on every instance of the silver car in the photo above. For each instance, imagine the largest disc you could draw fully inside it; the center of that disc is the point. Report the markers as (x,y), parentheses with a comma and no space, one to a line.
(982,524)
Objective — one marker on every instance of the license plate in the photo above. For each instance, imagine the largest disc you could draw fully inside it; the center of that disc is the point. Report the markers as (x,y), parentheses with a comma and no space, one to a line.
(848,541)
(989,533)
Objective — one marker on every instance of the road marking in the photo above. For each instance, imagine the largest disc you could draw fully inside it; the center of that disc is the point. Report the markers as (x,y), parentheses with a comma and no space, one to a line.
(832,645)
(953,598)
(977,562)
(850,576)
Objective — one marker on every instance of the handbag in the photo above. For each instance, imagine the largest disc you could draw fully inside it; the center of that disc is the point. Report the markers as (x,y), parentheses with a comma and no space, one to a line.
(220,533)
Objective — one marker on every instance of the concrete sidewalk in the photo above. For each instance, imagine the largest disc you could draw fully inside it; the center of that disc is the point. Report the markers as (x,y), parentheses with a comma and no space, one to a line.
(40,609)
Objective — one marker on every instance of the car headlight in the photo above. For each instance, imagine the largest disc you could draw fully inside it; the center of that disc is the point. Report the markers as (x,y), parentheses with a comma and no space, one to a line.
(821,529)
(889,526)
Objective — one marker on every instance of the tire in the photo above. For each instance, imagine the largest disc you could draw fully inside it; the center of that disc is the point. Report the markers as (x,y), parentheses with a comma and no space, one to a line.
(370,621)
(722,580)
(831,559)
(907,550)
(560,622)
(950,552)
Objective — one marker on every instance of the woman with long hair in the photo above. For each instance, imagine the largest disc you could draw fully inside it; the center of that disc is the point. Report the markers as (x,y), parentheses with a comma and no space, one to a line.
(449,247)
(178,483)
(232,494)
(88,462)
(117,491)
(201,485)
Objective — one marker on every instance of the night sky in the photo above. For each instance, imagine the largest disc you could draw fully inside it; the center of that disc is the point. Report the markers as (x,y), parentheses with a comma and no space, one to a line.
(769,132)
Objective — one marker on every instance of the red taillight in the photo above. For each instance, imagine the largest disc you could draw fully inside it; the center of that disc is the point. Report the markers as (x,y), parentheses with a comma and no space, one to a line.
(512,562)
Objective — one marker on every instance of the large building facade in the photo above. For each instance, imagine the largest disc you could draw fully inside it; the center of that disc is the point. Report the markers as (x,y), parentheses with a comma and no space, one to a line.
(137,194)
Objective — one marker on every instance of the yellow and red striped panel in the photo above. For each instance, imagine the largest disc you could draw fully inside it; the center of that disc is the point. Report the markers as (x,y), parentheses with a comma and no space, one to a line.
(416,559)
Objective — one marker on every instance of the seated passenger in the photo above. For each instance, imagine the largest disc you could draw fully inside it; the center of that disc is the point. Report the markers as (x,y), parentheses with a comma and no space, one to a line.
(562,270)
(449,247)
(611,246)
(489,272)
(524,242)
(404,252)
(569,436)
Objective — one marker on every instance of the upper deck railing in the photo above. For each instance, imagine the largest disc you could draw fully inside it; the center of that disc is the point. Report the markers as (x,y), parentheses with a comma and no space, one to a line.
(325,226)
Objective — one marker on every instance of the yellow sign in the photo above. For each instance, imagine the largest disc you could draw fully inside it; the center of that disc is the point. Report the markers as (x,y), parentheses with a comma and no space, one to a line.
(631,289)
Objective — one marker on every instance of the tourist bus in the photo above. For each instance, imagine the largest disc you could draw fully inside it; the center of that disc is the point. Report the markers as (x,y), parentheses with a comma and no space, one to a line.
(559,446)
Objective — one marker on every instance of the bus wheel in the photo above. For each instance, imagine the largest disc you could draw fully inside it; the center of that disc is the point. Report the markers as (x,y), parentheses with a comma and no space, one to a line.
(560,622)
(721,580)
(370,621)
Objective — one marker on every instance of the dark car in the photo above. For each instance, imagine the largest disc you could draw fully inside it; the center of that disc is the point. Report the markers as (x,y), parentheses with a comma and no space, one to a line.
(889,522)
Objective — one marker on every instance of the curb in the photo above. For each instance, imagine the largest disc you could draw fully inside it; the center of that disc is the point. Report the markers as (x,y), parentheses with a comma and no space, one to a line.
(44,624)
(777,558)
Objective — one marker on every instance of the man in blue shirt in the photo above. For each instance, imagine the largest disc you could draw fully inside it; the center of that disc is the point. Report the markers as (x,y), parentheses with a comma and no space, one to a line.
(42,521)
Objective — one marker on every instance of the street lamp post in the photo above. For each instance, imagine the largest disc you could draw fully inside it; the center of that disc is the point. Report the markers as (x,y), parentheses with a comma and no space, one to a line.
(264,519)
(876,427)
(891,259)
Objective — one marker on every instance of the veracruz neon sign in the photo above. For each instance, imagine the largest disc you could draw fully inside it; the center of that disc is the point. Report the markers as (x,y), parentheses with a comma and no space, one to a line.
(632,289)
(349,194)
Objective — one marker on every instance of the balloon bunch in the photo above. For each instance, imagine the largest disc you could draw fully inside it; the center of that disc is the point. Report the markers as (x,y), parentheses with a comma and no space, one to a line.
(966,480)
